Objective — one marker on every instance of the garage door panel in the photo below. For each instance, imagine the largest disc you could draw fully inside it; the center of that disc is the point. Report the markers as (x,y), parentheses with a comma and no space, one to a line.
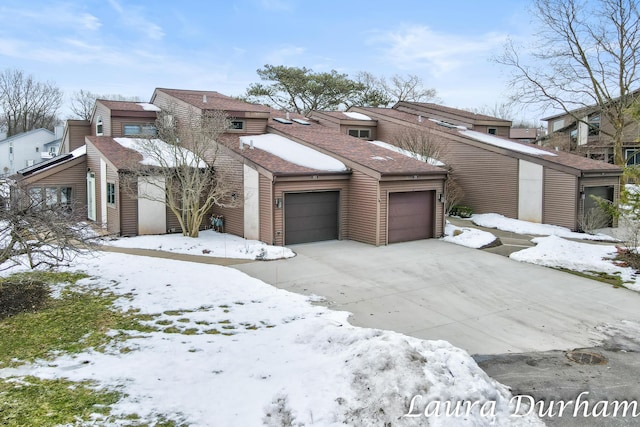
(311,217)
(411,216)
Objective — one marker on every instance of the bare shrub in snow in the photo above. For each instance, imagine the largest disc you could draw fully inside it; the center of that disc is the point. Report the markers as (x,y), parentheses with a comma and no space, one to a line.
(279,414)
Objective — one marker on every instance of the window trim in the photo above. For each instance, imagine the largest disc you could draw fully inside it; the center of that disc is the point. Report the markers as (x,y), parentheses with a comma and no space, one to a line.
(99,126)
(632,154)
(143,129)
(495,131)
(237,129)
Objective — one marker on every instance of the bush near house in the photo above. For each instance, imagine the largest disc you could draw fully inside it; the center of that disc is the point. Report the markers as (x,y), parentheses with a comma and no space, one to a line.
(461,211)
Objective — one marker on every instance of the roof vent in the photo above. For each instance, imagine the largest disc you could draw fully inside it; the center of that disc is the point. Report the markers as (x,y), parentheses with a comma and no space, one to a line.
(251,144)
(204,99)
(287,115)
(419,118)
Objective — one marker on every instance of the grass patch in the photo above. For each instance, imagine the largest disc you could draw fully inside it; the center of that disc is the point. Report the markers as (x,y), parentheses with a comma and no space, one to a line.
(77,320)
(212,332)
(36,402)
(164,322)
(610,279)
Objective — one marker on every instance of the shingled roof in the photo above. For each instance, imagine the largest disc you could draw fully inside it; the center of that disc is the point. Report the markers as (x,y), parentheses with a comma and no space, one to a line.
(210,100)
(129,106)
(352,151)
(121,157)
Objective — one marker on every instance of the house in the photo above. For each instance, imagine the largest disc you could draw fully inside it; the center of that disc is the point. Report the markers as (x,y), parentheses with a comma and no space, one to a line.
(297,181)
(590,136)
(28,148)
(500,175)
(530,135)
(350,189)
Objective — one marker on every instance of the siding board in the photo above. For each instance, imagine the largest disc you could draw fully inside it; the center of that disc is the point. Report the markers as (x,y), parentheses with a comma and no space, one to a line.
(266,210)
(559,207)
(364,209)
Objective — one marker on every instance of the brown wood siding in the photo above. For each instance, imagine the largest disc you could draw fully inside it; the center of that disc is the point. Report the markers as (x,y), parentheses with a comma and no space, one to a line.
(489,180)
(316,185)
(234,172)
(113,211)
(255,126)
(560,199)
(373,134)
(364,209)
(74,135)
(502,131)
(128,212)
(403,186)
(266,210)
(73,176)
(173,225)
(105,113)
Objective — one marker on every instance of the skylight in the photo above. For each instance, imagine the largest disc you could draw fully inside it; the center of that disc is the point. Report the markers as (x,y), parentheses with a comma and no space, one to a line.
(301,122)
(281,120)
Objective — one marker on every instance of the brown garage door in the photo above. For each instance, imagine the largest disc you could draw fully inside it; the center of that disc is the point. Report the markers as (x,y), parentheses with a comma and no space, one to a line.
(310,217)
(411,216)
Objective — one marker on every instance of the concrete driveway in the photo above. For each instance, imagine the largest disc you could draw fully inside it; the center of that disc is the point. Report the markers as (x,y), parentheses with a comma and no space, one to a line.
(481,302)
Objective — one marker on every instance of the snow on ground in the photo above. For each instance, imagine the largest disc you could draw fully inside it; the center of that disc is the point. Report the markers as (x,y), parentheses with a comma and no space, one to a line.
(469,237)
(554,251)
(209,243)
(493,220)
(275,355)
(293,152)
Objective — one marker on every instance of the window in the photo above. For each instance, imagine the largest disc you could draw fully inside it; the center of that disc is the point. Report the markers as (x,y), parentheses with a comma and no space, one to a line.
(65,197)
(139,129)
(594,124)
(237,125)
(360,133)
(111,193)
(52,196)
(37,149)
(99,127)
(492,131)
(632,155)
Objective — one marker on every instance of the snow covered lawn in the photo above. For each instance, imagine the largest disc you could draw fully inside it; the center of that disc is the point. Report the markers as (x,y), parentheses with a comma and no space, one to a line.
(234,351)
(209,243)
(493,220)
(466,236)
(553,251)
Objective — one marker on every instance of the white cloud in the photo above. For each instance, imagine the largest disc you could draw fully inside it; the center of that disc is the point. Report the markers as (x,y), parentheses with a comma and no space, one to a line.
(135,19)
(417,47)
(89,21)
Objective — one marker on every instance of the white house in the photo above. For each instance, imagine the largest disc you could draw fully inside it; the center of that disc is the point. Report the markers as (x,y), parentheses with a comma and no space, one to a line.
(28,148)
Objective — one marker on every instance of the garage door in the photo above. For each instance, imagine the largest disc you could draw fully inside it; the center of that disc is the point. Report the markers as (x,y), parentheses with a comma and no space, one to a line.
(310,217)
(411,216)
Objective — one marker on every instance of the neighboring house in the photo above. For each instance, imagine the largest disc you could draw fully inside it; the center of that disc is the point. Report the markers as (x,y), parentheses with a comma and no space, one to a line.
(499,175)
(588,136)
(529,135)
(27,149)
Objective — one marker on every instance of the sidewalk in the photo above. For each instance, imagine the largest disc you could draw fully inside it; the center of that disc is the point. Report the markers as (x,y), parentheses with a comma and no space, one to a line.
(202,259)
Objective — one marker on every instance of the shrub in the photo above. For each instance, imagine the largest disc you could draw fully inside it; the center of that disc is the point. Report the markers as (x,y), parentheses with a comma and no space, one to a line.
(461,211)
(20,295)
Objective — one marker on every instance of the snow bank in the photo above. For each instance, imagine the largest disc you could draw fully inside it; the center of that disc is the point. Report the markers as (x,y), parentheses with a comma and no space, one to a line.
(469,237)
(209,243)
(554,251)
(274,356)
(492,220)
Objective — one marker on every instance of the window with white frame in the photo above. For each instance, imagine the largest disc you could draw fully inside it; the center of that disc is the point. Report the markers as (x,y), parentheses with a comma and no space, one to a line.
(360,133)
(99,126)
(111,193)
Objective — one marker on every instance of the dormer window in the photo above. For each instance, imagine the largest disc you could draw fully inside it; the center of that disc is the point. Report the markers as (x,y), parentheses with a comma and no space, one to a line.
(360,133)
(99,130)
(237,125)
(492,131)
(594,124)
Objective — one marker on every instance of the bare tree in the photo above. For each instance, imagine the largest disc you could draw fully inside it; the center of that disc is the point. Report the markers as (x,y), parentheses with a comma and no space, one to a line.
(36,232)
(408,88)
(83,101)
(586,53)
(423,145)
(27,104)
(180,167)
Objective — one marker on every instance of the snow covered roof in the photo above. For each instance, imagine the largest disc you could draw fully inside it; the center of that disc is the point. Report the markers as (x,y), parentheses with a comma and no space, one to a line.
(504,143)
(293,152)
(148,107)
(156,152)
(356,116)
(431,161)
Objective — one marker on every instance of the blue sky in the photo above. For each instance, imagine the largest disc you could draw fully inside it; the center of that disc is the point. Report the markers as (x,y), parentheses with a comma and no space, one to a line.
(131,47)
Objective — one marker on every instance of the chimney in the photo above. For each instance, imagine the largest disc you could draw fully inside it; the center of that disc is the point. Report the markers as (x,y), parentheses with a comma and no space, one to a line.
(204,99)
